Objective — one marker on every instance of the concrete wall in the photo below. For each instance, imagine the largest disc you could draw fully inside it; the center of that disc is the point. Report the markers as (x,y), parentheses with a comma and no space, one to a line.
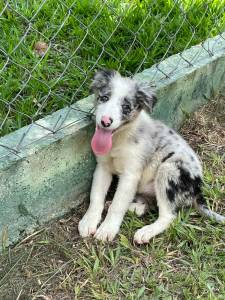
(52,171)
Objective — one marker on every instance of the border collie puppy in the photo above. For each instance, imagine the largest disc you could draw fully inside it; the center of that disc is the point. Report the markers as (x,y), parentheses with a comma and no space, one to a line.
(150,159)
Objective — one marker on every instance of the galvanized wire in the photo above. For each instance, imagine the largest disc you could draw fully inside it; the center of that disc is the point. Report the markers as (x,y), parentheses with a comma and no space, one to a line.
(53,89)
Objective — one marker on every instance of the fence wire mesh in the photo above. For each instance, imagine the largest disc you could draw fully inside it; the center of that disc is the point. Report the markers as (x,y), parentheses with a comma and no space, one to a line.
(50,49)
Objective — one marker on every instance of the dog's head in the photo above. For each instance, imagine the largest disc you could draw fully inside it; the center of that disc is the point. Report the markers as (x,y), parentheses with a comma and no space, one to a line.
(119,100)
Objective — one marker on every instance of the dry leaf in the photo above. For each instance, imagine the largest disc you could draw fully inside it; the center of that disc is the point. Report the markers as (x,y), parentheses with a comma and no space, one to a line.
(40,48)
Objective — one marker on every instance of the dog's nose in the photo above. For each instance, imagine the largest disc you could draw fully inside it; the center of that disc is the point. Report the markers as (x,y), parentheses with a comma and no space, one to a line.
(106,121)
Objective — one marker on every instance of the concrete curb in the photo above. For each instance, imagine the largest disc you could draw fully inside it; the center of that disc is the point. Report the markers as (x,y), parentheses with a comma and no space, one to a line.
(52,170)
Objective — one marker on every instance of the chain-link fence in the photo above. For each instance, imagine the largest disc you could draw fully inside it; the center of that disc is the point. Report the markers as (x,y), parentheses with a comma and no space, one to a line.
(49,49)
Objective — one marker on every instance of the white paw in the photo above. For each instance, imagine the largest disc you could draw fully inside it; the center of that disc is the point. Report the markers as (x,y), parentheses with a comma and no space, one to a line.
(138,208)
(143,235)
(88,224)
(107,231)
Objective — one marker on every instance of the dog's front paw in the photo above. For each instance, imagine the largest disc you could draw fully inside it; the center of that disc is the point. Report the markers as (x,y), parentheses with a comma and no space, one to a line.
(107,231)
(88,225)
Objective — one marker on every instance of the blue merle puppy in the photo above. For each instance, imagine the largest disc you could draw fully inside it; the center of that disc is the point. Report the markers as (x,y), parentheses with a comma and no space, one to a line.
(150,159)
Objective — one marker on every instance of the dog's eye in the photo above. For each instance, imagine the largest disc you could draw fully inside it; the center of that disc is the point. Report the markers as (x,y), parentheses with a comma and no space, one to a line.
(103,98)
(126,109)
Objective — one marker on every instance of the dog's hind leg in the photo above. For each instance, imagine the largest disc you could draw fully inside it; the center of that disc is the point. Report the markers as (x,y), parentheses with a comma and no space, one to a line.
(166,176)
(139,205)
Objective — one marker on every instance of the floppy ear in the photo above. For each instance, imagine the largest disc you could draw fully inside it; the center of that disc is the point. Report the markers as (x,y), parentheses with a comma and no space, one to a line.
(145,96)
(101,79)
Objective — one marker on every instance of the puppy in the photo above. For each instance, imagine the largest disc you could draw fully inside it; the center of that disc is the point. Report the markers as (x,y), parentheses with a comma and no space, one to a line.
(150,159)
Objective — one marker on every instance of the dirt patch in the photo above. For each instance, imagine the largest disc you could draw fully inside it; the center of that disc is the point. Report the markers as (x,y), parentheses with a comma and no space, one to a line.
(205,130)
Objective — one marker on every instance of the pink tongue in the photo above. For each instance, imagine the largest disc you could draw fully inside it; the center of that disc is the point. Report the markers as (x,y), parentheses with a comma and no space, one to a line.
(101,142)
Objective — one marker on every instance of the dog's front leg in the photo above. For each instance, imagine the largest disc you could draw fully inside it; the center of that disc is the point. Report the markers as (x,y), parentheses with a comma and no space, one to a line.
(100,185)
(123,197)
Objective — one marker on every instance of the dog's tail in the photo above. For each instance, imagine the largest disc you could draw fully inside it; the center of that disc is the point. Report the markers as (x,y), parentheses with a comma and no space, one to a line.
(201,205)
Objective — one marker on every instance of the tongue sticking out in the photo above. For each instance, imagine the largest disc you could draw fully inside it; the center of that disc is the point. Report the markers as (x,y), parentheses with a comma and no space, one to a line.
(101,142)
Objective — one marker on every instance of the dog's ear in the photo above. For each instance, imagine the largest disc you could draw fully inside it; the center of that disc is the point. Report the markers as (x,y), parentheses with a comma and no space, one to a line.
(145,96)
(101,79)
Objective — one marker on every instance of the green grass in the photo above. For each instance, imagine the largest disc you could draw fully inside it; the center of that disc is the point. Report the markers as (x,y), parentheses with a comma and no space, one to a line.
(134,35)
(185,262)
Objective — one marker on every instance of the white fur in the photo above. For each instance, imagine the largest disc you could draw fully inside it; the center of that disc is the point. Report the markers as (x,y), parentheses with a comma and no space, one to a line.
(138,157)
(124,160)
(139,208)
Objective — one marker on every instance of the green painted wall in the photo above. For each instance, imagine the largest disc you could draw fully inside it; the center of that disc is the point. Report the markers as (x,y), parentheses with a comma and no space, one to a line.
(53,171)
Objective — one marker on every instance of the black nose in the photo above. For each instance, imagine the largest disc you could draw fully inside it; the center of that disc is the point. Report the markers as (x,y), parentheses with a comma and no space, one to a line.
(106,123)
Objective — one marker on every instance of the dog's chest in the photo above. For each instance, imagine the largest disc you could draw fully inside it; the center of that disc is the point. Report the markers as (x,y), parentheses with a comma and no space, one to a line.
(118,160)
(119,155)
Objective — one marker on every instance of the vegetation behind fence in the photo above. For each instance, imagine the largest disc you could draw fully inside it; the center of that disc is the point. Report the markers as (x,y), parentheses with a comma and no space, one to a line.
(50,49)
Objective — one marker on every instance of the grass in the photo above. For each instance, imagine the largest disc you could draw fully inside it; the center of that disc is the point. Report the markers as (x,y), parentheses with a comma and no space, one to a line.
(84,35)
(185,262)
